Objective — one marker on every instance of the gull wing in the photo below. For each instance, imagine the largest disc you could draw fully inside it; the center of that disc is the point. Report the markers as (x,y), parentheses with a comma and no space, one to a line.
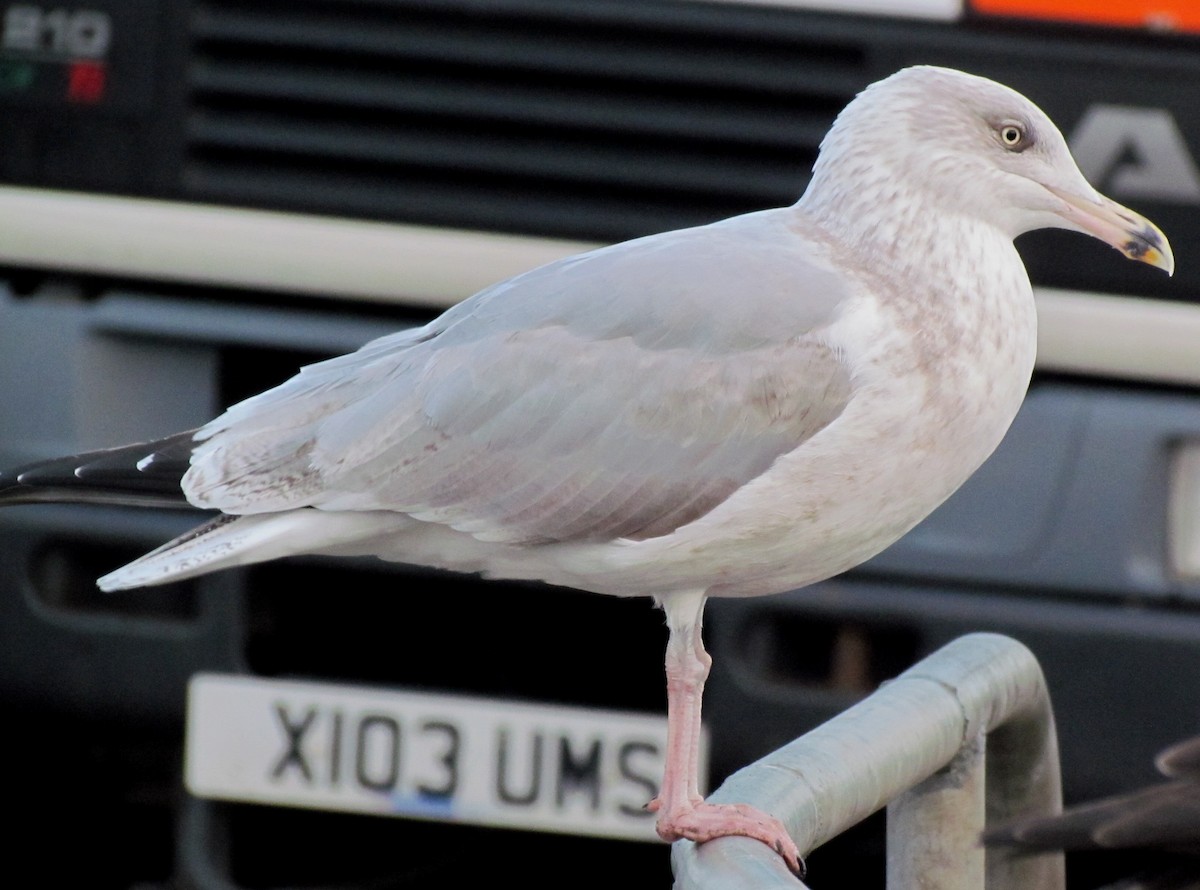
(618,393)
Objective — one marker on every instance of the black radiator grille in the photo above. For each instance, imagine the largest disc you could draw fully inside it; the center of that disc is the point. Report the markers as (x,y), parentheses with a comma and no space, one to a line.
(587,119)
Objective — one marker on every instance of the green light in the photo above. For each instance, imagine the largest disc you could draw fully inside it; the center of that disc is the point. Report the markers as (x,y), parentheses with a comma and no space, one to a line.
(16,75)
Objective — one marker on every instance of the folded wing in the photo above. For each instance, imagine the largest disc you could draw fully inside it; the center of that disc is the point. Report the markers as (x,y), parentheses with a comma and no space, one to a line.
(619,393)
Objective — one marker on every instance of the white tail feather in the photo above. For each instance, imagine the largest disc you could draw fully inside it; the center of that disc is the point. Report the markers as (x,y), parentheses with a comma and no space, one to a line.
(243,540)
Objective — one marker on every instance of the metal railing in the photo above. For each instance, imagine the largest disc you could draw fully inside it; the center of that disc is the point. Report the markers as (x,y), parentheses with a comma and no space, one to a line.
(962,738)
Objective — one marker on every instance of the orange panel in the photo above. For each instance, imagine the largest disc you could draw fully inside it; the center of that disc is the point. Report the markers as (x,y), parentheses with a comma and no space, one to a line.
(1167,15)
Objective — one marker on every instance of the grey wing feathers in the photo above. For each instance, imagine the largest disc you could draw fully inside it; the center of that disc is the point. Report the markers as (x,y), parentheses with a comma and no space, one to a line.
(1181,760)
(578,401)
(1166,815)
(1162,816)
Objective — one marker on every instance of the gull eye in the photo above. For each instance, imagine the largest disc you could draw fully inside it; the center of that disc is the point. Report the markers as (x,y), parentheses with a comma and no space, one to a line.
(1012,136)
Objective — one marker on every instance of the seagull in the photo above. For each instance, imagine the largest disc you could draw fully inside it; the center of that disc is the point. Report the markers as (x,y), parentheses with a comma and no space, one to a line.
(735,409)
(1164,816)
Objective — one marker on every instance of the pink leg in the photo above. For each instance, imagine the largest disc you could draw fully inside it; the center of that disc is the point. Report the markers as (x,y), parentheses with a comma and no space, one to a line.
(682,812)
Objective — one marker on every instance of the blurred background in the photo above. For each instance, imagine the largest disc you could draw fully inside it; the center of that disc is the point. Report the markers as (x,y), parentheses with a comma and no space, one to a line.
(198,197)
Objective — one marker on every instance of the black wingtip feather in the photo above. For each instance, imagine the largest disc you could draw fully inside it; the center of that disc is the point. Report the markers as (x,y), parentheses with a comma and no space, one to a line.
(142,474)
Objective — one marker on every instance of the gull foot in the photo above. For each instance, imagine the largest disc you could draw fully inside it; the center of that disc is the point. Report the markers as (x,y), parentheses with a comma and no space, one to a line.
(702,822)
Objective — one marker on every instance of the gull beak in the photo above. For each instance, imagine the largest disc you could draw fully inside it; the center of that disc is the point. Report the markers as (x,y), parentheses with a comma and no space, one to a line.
(1129,232)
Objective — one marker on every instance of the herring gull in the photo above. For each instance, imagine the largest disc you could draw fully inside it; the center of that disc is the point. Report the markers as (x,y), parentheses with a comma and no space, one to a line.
(735,409)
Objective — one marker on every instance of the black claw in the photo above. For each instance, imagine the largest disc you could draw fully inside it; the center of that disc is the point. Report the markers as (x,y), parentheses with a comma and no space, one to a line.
(801,869)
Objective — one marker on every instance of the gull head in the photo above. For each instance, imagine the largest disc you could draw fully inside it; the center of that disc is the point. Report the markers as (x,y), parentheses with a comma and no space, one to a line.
(957,144)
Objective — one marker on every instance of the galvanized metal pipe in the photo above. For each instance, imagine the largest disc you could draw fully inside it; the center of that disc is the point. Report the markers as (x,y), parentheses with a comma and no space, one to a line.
(933,829)
(911,729)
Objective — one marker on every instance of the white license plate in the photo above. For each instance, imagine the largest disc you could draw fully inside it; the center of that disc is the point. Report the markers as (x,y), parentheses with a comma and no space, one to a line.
(448,758)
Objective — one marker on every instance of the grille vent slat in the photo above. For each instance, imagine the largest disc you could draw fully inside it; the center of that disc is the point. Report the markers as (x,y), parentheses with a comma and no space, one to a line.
(596,121)
(524,157)
(542,41)
(739,120)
